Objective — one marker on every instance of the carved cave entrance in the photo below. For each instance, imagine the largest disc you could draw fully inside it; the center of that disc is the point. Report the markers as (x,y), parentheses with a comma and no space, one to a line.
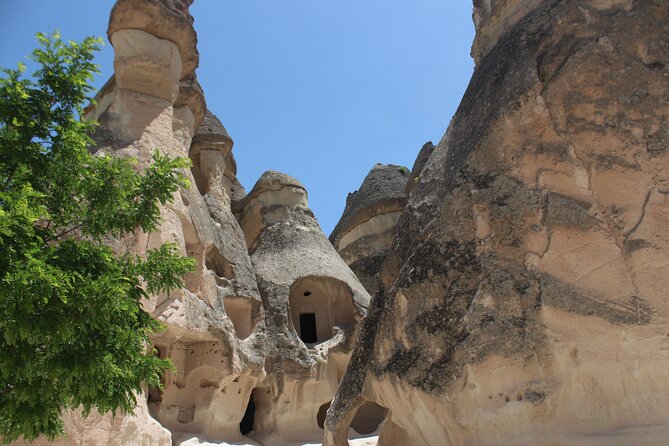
(317,305)
(308,332)
(155,394)
(246,425)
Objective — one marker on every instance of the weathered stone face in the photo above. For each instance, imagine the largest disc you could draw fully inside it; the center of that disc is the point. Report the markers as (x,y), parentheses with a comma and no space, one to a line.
(214,326)
(312,302)
(365,232)
(527,285)
(520,271)
(242,355)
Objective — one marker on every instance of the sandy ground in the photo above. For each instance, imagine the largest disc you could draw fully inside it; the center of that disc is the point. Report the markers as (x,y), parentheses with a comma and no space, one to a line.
(354,439)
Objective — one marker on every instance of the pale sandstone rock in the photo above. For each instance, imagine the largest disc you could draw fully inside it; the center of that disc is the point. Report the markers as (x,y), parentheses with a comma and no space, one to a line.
(214,326)
(312,302)
(137,430)
(527,288)
(366,230)
(418,165)
(524,284)
(165,19)
(192,97)
(146,64)
(212,138)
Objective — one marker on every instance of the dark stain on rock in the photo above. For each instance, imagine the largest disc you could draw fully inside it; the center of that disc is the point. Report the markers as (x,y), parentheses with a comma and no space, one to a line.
(551,60)
(367,270)
(500,79)
(636,243)
(610,161)
(567,211)
(534,396)
(571,298)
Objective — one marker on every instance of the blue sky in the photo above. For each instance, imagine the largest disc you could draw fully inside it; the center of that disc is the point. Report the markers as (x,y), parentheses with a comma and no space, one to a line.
(321,90)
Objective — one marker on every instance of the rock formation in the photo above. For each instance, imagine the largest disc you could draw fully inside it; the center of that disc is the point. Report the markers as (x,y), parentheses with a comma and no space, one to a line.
(232,363)
(520,271)
(312,303)
(366,229)
(419,165)
(525,294)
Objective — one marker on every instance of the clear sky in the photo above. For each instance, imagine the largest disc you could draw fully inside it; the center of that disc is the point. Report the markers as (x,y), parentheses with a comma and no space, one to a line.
(321,90)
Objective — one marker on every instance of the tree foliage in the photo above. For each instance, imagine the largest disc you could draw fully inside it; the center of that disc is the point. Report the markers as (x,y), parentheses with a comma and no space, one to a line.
(72,329)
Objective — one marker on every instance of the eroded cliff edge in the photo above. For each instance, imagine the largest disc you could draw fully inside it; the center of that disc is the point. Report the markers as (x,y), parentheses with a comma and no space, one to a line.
(525,298)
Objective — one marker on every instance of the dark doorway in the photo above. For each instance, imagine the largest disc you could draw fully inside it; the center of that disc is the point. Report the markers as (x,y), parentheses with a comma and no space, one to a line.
(308,328)
(322,413)
(246,425)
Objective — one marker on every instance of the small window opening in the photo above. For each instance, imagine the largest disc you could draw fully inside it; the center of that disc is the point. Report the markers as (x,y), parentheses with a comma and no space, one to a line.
(308,332)
(215,262)
(307,293)
(246,425)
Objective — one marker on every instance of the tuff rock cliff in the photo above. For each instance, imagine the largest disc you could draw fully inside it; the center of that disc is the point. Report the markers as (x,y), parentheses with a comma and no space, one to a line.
(524,300)
(262,331)
(519,272)
(366,229)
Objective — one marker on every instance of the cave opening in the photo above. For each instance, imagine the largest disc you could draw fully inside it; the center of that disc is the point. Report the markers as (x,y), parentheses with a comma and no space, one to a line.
(320,304)
(155,393)
(308,332)
(368,418)
(322,413)
(240,310)
(246,425)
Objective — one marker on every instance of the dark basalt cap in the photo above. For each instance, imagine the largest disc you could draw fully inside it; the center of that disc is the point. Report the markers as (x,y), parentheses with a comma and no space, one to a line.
(211,130)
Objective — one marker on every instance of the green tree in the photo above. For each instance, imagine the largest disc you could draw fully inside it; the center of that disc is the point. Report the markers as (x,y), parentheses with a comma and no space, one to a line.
(72,329)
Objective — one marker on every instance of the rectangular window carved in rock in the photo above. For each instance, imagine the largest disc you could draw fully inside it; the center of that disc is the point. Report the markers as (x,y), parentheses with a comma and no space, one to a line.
(308,328)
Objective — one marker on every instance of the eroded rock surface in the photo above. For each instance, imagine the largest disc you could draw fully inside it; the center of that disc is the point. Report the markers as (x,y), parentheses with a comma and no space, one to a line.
(527,286)
(248,361)
(520,270)
(312,303)
(214,326)
(365,232)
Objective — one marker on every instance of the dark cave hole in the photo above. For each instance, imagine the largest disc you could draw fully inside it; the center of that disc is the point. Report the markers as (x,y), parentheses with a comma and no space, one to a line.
(322,413)
(368,418)
(308,328)
(246,425)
